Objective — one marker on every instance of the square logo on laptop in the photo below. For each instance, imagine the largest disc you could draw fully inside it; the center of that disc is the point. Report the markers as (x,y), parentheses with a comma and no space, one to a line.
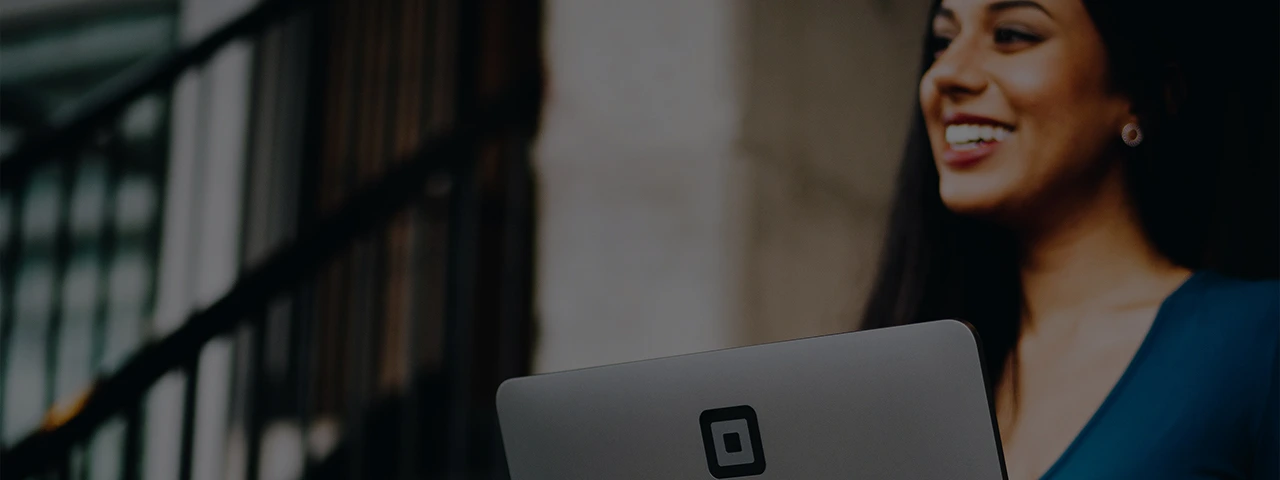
(731,437)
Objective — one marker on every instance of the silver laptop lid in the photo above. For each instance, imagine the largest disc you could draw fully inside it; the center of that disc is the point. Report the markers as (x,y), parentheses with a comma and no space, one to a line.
(906,402)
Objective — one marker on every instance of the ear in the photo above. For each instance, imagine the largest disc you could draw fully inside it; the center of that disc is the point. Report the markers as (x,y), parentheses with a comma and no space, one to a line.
(1168,101)
(1130,114)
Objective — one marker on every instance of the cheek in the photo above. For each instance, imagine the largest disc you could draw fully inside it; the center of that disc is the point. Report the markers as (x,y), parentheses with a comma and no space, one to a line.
(1042,91)
(931,108)
(1064,114)
(930,105)
(926,93)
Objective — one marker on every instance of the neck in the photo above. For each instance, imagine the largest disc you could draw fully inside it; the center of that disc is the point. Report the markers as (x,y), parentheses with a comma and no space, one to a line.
(1094,258)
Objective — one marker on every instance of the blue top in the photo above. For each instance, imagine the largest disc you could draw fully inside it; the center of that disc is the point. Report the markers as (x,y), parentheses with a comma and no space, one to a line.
(1199,399)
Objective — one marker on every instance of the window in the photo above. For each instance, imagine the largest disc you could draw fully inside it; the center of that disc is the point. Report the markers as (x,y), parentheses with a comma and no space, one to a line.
(80,239)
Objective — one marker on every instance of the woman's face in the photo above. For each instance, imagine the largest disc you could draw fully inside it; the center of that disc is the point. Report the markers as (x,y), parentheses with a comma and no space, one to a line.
(1019,109)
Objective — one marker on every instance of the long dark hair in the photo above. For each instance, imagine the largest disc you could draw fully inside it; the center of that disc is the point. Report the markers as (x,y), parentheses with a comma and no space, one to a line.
(1203,180)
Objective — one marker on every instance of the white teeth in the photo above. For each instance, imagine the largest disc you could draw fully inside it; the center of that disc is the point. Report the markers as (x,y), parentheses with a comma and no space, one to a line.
(958,135)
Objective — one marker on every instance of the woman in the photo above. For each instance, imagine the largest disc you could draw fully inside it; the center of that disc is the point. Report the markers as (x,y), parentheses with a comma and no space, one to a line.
(1058,193)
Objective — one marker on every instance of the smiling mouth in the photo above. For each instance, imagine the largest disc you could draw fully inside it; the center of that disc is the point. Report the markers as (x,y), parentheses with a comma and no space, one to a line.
(967,137)
(972,139)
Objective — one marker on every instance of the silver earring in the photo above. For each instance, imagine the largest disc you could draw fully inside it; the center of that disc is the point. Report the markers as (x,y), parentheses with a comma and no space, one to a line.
(1131,134)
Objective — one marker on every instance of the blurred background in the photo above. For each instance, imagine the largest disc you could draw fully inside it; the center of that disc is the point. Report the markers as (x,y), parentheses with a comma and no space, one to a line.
(279,239)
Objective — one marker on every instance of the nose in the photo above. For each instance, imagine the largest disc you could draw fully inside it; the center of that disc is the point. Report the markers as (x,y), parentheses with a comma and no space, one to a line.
(957,72)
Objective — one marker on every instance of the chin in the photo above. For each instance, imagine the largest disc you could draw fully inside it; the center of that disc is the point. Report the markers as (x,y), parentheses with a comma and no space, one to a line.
(973,198)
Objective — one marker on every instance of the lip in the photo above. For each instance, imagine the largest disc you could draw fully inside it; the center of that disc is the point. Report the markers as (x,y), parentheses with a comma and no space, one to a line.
(968,158)
(960,159)
(968,119)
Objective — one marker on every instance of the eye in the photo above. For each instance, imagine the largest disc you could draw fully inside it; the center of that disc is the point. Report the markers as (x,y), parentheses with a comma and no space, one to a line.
(1014,37)
(938,44)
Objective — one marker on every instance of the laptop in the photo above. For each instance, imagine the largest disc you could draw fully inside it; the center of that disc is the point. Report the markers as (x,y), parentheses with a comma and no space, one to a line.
(907,402)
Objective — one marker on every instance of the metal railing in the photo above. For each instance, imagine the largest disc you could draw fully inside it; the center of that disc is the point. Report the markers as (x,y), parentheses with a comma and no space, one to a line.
(68,130)
(123,393)
(366,211)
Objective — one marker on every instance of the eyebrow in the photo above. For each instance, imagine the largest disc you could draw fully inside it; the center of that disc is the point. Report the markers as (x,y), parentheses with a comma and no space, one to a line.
(947,13)
(1011,4)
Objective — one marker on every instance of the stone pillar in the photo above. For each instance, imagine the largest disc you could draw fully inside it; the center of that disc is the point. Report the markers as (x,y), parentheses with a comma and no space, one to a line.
(717,172)
(637,251)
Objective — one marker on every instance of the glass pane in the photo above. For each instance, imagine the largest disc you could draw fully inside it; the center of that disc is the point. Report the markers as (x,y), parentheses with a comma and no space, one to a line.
(142,121)
(106,451)
(88,197)
(137,202)
(5,219)
(26,378)
(130,279)
(80,289)
(40,209)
